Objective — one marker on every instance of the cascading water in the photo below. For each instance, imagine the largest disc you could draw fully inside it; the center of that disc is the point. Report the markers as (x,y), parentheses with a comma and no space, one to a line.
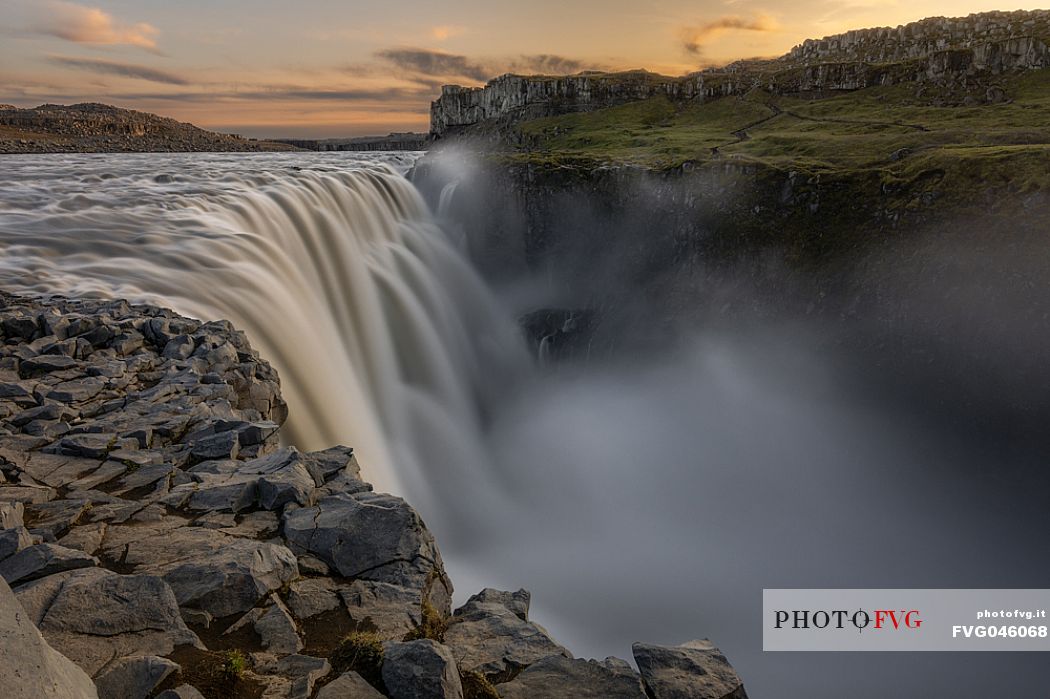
(384,337)
(642,496)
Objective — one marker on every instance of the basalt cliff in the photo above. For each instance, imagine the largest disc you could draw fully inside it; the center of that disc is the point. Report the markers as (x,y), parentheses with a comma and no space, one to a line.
(964,54)
(158,540)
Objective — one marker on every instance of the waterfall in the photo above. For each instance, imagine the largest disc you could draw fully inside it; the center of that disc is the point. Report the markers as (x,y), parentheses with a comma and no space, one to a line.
(384,337)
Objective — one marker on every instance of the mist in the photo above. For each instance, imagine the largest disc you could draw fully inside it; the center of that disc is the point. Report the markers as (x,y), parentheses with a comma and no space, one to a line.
(727,426)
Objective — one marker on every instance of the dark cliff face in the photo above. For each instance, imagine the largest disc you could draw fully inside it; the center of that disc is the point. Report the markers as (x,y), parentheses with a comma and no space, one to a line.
(939,51)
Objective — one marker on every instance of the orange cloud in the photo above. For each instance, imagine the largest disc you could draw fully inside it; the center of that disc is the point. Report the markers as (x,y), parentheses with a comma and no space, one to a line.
(91,25)
(693,38)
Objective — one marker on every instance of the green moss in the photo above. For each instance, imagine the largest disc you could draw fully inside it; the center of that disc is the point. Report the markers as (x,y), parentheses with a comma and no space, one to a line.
(432,626)
(362,652)
(475,686)
(234,665)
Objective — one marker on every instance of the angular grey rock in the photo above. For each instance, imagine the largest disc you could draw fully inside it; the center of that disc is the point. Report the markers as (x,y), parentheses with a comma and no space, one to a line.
(491,634)
(313,596)
(368,536)
(275,627)
(53,519)
(180,347)
(297,674)
(269,482)
(392,610)
(89,446)
(26,494)
(14,540)
(349,685)
(213,572)
(43,559)
(77,390)
(29,667)
(98,615)
(693,670)
(103,474)
(420,669)
(218,446)
(58,470)
(183,691)
(134,678)
(557,677)
(45,364)
(86,538)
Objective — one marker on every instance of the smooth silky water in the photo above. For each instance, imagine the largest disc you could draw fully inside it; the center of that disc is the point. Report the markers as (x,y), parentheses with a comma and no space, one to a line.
(648,499)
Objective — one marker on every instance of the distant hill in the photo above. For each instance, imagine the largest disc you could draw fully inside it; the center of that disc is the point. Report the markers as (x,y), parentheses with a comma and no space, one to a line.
(393,141)
(101,128)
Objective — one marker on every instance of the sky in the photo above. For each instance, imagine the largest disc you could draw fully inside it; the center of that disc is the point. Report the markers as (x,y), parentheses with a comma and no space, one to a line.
(336,68)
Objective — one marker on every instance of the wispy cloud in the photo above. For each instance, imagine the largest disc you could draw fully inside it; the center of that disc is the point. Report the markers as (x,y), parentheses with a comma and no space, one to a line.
(123,70)
(546,63)
(92,25)
(694,37)
(434,63)
(430,67)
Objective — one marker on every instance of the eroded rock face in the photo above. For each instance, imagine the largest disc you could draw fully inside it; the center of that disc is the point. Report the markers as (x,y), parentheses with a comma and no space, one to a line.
(96,616)
(693,670)
(372,537)
(29,667)
(420,670)
(557,677)
(492,634)
(936,50)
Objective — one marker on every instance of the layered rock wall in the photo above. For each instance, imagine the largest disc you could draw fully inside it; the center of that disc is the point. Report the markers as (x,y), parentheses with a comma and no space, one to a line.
(940,51)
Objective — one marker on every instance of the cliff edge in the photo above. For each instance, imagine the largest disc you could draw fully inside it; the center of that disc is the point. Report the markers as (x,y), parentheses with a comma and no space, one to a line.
(960,53)
(157,534)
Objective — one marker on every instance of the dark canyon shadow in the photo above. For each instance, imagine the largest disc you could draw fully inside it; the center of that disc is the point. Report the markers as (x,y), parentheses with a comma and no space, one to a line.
(737,417)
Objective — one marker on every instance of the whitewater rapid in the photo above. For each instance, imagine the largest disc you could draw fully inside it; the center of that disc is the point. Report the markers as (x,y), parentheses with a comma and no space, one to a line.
(384,337)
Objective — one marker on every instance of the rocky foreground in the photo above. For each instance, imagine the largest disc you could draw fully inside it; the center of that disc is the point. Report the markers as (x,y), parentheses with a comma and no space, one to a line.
(158,541)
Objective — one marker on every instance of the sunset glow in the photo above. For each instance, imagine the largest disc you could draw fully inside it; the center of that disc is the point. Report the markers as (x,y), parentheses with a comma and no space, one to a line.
(319,68)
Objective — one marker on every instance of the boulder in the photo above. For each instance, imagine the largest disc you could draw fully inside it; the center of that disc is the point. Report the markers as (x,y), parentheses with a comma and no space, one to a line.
(95,616)
(275,627)
(41,560)
(86,538)
(492,634)
(369,536)
(420,669)
(693,670)
(557,677)
(214,572)
(391,609)
(134,678)
(313,596)
(29,667)
(14,540)
(349,685)
(296,675)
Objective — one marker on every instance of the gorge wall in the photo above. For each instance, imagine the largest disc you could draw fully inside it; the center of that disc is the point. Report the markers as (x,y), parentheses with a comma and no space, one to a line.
(954,53)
